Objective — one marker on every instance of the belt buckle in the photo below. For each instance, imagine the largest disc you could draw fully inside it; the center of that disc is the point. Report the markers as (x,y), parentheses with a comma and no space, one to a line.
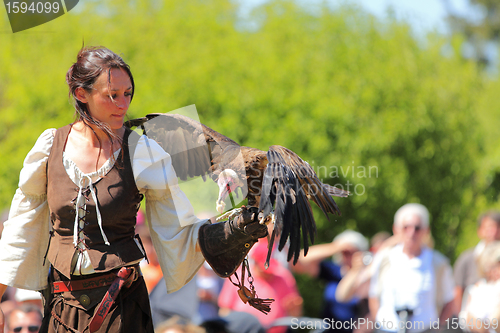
(134,275)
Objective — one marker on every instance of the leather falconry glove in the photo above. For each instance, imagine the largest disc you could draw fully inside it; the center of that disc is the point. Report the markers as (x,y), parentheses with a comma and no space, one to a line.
(225,246)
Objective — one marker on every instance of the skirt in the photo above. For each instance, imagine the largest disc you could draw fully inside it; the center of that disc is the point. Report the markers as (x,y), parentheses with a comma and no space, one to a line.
(73,311)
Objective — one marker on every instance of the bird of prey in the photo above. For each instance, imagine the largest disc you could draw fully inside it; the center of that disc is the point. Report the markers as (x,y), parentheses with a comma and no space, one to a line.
(277,181)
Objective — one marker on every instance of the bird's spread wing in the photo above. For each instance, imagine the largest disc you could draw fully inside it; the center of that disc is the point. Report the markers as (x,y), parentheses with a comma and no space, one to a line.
(288,184)
(195,149)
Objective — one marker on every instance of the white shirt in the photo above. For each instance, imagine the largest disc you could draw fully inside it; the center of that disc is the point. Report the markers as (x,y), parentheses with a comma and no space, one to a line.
(409,283)
(173,225)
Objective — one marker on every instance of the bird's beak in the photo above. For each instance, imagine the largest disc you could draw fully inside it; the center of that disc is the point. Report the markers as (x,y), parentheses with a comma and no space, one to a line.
(223,193)
(220,205)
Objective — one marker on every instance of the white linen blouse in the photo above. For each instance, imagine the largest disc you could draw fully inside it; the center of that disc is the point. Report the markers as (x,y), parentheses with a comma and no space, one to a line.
(173,225)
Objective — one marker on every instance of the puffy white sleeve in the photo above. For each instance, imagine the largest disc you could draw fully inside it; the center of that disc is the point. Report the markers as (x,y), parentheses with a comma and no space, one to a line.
(172,223)
(25,238)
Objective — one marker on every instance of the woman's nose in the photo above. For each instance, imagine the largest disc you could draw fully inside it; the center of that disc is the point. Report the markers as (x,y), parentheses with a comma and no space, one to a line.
(122,102)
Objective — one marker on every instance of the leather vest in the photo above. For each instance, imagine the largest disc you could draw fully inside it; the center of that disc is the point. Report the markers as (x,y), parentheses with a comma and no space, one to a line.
(118,199)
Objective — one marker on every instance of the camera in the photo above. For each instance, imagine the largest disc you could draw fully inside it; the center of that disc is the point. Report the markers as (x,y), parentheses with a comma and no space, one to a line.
(367,258)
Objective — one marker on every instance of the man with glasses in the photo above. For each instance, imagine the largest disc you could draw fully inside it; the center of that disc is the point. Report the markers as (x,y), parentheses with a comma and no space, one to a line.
(412,287)
(25,318)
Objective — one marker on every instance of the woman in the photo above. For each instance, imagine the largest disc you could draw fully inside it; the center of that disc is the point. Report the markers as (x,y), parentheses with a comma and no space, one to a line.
(88,179)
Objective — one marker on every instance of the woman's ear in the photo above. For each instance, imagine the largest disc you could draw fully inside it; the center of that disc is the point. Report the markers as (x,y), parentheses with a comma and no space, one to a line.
(81,95)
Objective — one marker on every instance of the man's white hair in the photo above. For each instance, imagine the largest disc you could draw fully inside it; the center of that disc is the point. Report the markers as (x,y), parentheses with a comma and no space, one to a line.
(353,238)
(412,209)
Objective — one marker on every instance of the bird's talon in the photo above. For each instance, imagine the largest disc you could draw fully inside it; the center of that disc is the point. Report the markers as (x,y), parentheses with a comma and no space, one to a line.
(267,219)
(229,214)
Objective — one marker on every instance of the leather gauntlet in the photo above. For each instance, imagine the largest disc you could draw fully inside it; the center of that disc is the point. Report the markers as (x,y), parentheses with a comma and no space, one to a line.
(225,244)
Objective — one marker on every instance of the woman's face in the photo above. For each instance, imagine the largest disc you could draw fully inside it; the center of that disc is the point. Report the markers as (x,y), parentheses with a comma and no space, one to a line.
(109,100)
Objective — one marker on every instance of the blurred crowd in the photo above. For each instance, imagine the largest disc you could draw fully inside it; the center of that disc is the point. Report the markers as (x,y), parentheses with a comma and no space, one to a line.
(396,282)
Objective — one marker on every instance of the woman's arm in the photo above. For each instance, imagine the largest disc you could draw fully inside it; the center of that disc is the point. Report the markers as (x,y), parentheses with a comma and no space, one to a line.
(26,232)
(172,222)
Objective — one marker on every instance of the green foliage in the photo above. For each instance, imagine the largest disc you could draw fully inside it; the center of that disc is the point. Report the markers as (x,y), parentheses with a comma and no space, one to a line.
(371,108)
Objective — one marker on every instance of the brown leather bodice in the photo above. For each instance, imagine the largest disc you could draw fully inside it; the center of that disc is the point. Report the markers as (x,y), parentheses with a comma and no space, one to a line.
(118,199)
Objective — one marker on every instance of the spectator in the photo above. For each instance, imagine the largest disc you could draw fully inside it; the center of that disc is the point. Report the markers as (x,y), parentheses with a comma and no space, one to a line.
(242,322)
(347,244)
(276,282)
(209,286)
(9,302)
(482,309)
(29,296)
(23,319)
(195,302)
(465,269)
(356,281)
(412,277)
(234,322)
(182,303)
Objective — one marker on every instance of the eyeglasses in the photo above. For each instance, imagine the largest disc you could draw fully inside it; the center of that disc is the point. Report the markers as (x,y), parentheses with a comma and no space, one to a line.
(416,227)
(31,328)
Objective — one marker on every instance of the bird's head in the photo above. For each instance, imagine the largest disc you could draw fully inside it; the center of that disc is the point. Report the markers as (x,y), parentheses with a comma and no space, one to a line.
(228,182)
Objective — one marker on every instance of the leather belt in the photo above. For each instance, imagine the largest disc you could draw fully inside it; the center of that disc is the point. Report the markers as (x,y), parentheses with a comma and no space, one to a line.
(90,283)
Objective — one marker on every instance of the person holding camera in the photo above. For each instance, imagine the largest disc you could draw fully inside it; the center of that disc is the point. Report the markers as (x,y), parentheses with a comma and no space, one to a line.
(345,246)
(410,278)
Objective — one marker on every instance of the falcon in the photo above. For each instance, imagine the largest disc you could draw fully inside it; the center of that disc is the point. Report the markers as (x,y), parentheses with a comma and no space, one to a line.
(278,182)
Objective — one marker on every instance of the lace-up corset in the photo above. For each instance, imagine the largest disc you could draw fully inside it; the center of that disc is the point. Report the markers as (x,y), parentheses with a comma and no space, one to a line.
(95,217)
